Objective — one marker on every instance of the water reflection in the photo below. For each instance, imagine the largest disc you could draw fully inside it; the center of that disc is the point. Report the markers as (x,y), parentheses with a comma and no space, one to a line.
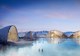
(63,47)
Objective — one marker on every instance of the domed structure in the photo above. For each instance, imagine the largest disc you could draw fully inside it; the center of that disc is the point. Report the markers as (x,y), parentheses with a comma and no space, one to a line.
(8,34)
(76,37)
(56,34)
(75,34)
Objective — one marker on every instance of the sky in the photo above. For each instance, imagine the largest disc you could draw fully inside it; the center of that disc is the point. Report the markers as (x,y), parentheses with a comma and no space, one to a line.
(38,15)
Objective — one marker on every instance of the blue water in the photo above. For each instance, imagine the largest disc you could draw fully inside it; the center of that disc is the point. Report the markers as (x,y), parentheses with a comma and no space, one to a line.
(66,47)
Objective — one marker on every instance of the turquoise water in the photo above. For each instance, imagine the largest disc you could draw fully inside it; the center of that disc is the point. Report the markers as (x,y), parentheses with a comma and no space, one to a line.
(67,47)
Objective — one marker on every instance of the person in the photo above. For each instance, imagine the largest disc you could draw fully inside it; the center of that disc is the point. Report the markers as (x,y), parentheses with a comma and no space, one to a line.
(42,50)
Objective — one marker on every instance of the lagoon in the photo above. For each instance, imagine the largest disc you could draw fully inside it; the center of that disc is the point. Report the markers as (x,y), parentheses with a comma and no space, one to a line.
(45,47)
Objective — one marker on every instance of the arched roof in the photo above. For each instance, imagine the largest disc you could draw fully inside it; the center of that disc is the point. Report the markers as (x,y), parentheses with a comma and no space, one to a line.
(76,34)
(4,33)
(57,33)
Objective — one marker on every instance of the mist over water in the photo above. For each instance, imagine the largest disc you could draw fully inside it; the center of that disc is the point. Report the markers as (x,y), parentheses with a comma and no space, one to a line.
(65,48)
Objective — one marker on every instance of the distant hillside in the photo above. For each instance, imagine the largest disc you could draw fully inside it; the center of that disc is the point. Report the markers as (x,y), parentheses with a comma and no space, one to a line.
(21,34)
(68,34)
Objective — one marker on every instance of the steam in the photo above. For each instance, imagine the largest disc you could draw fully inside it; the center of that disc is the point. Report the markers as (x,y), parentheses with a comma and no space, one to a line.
(67,48)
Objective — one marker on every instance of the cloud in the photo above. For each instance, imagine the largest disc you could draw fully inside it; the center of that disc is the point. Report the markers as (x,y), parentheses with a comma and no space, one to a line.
(26,18)
(56,14)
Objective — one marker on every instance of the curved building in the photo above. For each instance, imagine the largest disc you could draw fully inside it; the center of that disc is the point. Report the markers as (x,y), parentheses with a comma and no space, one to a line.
(75,34)
(8,34)
(76,37)
(56,34)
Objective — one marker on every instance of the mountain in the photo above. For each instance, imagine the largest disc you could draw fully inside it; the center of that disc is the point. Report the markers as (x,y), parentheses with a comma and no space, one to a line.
(21,34)
(68,34)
